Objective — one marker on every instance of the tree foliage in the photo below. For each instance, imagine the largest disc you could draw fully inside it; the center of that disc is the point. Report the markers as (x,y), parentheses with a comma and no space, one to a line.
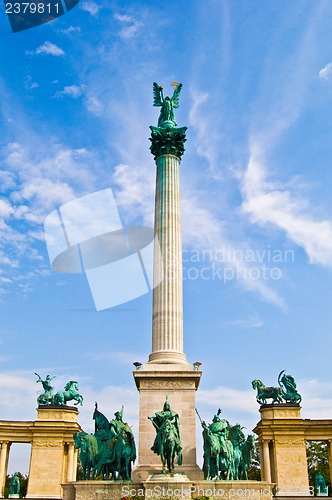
(254,471)
(318,461)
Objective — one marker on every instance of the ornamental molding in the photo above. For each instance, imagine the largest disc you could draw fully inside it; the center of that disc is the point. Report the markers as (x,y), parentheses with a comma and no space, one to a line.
(167,141)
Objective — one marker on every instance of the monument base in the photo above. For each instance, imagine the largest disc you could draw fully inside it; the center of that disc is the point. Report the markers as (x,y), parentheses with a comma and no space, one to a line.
(179,382)
(166,488)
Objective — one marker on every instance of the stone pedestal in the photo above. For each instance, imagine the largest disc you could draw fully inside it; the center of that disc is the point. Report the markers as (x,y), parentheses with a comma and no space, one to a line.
(281,433)
(166,488)
(180,383)
(53,460)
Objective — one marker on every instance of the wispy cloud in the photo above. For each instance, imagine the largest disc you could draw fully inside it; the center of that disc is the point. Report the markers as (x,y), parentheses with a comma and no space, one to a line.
(269,202)
(74,91)
(71,29)
(48,48)
(90,7)
(326,72)
(208,138)
(266,200)
(131,27)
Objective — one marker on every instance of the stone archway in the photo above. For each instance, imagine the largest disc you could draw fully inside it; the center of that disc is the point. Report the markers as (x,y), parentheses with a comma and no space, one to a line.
(53,459)
(282,435)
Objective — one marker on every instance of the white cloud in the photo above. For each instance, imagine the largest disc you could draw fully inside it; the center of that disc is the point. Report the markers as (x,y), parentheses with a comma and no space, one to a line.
(7,180)
(326,72)
(201,227)
(45,193)
(208,135)
(124,18)
(74,91)
(49,48)
(94,105)
(133,25)
(90,7)
(269,203)
(6,209)
(71,29)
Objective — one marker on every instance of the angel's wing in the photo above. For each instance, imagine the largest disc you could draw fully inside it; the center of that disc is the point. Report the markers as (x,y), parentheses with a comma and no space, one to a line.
(157,95)
(175,97)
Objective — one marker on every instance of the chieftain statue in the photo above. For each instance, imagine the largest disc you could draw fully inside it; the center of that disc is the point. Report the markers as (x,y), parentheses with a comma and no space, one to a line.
(110,451)
(227,453)
(167,442)
(15,486)
(285,393)
(320,483)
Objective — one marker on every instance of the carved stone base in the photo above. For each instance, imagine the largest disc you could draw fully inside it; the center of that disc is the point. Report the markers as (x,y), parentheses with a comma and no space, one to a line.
(180,383)
(166,490)
(53,457)
(281,433)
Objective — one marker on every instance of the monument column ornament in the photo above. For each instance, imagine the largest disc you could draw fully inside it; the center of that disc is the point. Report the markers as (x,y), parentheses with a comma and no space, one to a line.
(167,372)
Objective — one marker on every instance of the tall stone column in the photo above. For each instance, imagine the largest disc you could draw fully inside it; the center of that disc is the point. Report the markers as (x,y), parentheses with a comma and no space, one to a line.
(167,322)
(167,371)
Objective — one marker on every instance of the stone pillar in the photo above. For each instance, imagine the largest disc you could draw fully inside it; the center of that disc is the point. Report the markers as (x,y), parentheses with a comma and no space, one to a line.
(74,472)
(167,329)
(4,455)
(70,466)
(167,371)
(282,426)
(266,476)
(50,466)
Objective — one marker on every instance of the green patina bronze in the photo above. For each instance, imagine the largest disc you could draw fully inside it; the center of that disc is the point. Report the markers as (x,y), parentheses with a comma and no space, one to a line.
(15,486)
(69,394)
(46,397)
(167,442)
(60,398)
(108,452)
(166,117)
(227,453)
(320,483)
(166,138)
(285,393)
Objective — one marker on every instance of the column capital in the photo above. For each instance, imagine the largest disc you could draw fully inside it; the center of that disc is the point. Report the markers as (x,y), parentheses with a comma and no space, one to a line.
(167,141)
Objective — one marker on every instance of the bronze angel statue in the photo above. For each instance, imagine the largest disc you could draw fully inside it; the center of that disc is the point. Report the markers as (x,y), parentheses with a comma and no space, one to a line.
(166,117)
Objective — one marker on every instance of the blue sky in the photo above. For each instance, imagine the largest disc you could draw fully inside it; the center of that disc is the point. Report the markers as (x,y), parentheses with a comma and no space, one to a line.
(76,106)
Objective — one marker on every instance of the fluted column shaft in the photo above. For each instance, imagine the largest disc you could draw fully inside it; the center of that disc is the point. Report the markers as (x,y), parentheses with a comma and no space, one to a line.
(167,320)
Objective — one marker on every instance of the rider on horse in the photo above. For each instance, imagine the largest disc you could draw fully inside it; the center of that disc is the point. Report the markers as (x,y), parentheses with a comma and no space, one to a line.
(159,420)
